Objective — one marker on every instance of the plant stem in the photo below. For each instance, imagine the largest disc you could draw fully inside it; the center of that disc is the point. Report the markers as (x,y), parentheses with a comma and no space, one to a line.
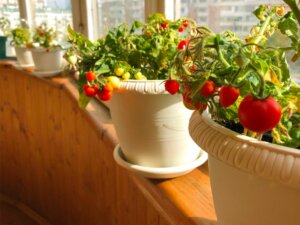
(220,54)
(262,30)
(261,79)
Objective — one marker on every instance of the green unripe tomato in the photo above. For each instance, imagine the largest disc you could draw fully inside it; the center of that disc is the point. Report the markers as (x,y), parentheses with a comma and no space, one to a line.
(126,76)
(119,71)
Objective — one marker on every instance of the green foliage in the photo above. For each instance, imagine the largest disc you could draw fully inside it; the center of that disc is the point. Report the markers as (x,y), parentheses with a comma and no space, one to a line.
(4,26)
(146,48)
(45,37)
(21,36)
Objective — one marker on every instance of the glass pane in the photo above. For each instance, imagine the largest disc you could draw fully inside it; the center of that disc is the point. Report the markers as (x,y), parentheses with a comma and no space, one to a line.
(56,13)
(234,15)
(10,10)
(110,13)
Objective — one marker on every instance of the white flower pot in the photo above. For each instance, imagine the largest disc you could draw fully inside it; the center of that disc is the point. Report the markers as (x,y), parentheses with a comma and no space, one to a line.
(253,182)
(47,59)
(152,125)
(24,56)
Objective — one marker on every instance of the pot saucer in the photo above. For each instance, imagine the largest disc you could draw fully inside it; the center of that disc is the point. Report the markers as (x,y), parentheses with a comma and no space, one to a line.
(159,172)
(19,66)
(50,73)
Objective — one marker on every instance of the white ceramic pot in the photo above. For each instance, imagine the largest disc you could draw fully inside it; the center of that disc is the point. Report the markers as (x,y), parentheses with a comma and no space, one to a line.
(24,56)
(152,125)
(47,59)
(253,182)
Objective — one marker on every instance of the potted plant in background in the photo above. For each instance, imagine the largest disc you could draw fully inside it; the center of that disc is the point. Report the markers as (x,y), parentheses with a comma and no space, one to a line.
(4,30)
(21,40)
(129,67)
(47,52)
(246,86)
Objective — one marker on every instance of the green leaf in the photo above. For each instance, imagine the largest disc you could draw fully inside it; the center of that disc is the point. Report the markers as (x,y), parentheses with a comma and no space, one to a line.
(103,69)
(136,25)
(259,12)
(288,25)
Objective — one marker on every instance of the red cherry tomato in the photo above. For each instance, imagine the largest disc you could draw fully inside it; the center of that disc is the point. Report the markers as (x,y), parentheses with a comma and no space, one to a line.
(89,91)
(228,95)
(259,115)
(182,44)
(90,75)
(105,95)
(164,25)
(108,87)
(187,101)
(172,86)
(208,88)
(185,23)
(180,29)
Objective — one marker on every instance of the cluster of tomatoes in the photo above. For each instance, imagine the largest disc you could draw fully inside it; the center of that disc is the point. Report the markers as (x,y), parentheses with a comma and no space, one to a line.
(255,114)
(184,24)
(91,89)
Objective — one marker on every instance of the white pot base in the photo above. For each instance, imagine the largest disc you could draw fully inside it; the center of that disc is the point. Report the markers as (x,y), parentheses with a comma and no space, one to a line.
(159,172)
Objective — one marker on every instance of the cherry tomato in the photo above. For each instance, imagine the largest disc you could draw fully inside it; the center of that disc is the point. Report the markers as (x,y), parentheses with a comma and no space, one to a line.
(228,95)
(164,25)
(192,68)
(259,115)
(182,44)
(187,101)
(72,59)
(89,91)
(280,10)
(90,75)
(180,29)
(185,23)
(115,81)
(208,88)
(139,76)
(172,86)
(108,87)
(105,95)
(119,71)
(126,76)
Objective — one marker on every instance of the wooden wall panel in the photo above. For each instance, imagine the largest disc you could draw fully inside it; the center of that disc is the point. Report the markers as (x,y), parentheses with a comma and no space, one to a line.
(57,158)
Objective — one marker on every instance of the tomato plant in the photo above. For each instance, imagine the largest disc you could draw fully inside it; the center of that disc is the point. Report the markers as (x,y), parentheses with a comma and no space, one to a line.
(141,51)
(256,90)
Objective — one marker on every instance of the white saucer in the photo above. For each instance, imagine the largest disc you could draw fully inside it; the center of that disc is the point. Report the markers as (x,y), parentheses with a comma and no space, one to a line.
(19,66)
(159,172)
(50,73)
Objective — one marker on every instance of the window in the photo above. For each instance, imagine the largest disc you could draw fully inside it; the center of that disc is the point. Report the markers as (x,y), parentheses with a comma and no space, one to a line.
(235,15)
(56,13)
(10,10)
(110,13)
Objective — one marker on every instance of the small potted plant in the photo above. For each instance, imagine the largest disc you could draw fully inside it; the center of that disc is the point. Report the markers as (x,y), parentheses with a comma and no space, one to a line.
(246,86)
(130,67)
(4,31)
(21,40)
(47,53)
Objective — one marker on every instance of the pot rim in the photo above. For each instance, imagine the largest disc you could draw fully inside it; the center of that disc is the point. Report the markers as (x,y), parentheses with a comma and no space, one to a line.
(152,87)
(41,49)
(252,141)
